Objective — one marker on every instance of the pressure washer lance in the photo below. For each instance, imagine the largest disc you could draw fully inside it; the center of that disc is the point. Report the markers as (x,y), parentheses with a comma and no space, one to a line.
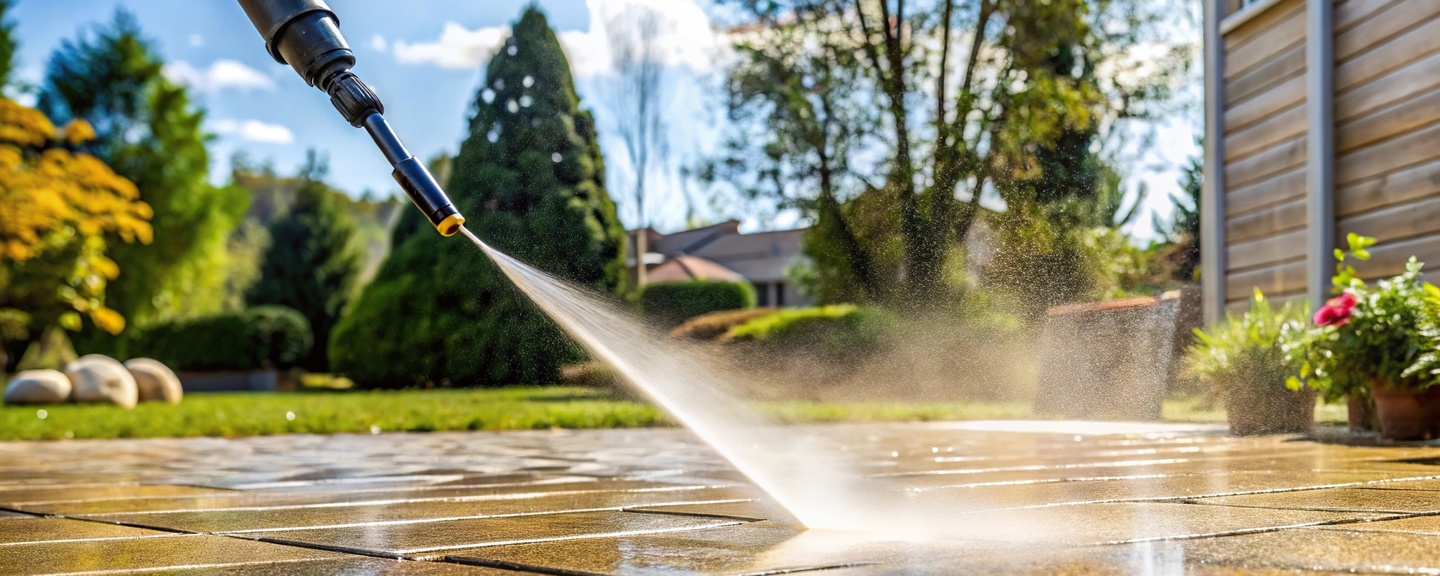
(306,35)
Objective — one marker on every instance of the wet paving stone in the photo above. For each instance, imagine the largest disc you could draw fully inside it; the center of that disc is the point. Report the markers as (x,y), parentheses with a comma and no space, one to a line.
(1426,525)
(1028,498)
(1354,551)
(47,495)
(186,551)
(257,521)
(1339,499)
(426,540)
(750,510)
(352,566)
(34,530)
(338,496)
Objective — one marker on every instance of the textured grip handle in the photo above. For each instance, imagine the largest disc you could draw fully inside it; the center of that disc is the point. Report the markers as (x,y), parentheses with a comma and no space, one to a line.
(354,99)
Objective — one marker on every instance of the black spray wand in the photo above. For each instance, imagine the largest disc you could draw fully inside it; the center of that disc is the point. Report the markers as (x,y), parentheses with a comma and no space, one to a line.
(306,35)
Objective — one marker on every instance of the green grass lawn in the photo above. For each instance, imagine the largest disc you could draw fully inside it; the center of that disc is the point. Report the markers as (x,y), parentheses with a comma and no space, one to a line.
(327,412)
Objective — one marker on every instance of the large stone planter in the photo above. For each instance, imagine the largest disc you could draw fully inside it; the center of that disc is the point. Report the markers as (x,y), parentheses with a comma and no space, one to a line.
(1407,413)
(1254,410)
(1113,360)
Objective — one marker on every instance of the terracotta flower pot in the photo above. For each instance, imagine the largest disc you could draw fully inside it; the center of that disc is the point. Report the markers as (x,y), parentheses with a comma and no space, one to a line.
(1255,410)
(1361,413)
(1407,413)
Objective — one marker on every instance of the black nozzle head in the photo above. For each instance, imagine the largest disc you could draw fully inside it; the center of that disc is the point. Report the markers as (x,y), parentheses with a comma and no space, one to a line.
(304,34)
(422,189)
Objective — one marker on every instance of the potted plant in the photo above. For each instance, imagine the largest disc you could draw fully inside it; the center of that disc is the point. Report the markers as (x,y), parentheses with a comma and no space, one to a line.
(1370,341)
(1243,359)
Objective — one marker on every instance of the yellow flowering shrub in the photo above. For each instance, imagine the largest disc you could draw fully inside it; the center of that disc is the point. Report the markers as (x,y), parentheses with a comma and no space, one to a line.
(57,207)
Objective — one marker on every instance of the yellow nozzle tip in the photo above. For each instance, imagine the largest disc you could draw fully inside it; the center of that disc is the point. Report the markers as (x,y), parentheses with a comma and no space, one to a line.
(450,225)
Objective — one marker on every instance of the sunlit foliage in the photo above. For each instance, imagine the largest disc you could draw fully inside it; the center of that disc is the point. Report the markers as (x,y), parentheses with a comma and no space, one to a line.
(57,208)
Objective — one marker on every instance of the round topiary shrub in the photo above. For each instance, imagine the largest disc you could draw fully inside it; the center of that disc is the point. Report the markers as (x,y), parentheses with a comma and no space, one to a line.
(262,337)
(675,302)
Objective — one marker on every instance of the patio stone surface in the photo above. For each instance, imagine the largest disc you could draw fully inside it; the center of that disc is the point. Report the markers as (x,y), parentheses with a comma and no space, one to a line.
(15,531)
(1029,498)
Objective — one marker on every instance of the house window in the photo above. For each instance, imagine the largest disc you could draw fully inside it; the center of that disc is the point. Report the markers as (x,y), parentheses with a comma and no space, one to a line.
(779,294)
(762,295)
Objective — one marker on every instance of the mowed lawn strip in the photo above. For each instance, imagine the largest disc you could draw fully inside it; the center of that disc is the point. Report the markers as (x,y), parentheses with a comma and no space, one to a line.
(520,408)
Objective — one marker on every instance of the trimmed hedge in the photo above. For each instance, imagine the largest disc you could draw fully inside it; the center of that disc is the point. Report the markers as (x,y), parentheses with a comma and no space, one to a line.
(716,324)
(262,337)
(842,328)
(676,302)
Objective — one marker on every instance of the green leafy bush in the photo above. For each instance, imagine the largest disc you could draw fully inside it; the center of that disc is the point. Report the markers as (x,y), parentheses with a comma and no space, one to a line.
(836,329)
(716,324)
(676,302)
(262,337)
(1244,350)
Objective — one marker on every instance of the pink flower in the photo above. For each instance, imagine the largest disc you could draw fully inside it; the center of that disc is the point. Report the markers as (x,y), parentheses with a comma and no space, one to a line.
(1336,311)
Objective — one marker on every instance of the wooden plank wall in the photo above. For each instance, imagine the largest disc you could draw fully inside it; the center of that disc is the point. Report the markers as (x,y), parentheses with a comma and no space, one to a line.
(1387,133)
(1264,136)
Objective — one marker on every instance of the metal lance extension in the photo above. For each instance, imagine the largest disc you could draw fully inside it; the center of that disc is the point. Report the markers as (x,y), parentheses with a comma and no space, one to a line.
(306,35)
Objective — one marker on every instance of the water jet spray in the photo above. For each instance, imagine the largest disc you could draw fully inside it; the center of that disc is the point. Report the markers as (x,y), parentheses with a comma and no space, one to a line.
(306,35)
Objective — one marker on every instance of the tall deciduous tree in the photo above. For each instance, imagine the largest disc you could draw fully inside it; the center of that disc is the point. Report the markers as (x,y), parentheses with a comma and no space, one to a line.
(974,96)
(637,96)
(149,131)
(531,181)
(309,265)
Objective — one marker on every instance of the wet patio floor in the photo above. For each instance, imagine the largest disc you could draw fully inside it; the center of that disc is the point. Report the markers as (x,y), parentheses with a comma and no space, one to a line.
(1102,499)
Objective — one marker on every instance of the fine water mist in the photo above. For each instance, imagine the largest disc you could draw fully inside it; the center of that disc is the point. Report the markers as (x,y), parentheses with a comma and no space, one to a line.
(804,472)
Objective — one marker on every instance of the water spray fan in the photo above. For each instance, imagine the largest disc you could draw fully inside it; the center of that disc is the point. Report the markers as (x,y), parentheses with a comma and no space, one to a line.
(306,35)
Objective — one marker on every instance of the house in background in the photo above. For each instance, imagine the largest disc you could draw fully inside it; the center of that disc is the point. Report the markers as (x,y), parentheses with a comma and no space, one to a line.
(1322,118)
(720,253)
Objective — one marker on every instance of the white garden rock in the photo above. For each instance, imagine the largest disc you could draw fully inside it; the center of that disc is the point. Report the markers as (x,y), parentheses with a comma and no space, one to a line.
(155,381)
(97,378)
(38,387)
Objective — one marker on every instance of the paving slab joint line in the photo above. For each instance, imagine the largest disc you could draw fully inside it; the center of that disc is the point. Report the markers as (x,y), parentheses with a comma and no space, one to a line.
(780,571)
(126,524)
(19,511)
(517,567)
(340,549)
(1183,499)
(1251,531)
(1392,514)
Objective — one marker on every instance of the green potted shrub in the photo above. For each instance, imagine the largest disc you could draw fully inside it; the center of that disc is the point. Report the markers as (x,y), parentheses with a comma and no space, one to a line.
(1370,342)
(1243,359)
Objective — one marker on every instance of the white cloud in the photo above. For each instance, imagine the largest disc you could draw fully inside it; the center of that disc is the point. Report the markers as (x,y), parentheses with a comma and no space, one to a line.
(688,40)
(457,47)
(197,40)
(221,75)
(253,131)
(378,43)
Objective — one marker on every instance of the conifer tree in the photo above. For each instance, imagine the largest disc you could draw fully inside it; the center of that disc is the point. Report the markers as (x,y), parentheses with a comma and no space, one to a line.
(530,179)
(8,43)
(309,266)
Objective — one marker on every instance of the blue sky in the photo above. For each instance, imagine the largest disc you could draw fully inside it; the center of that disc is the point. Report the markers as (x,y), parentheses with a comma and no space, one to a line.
(424,58)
